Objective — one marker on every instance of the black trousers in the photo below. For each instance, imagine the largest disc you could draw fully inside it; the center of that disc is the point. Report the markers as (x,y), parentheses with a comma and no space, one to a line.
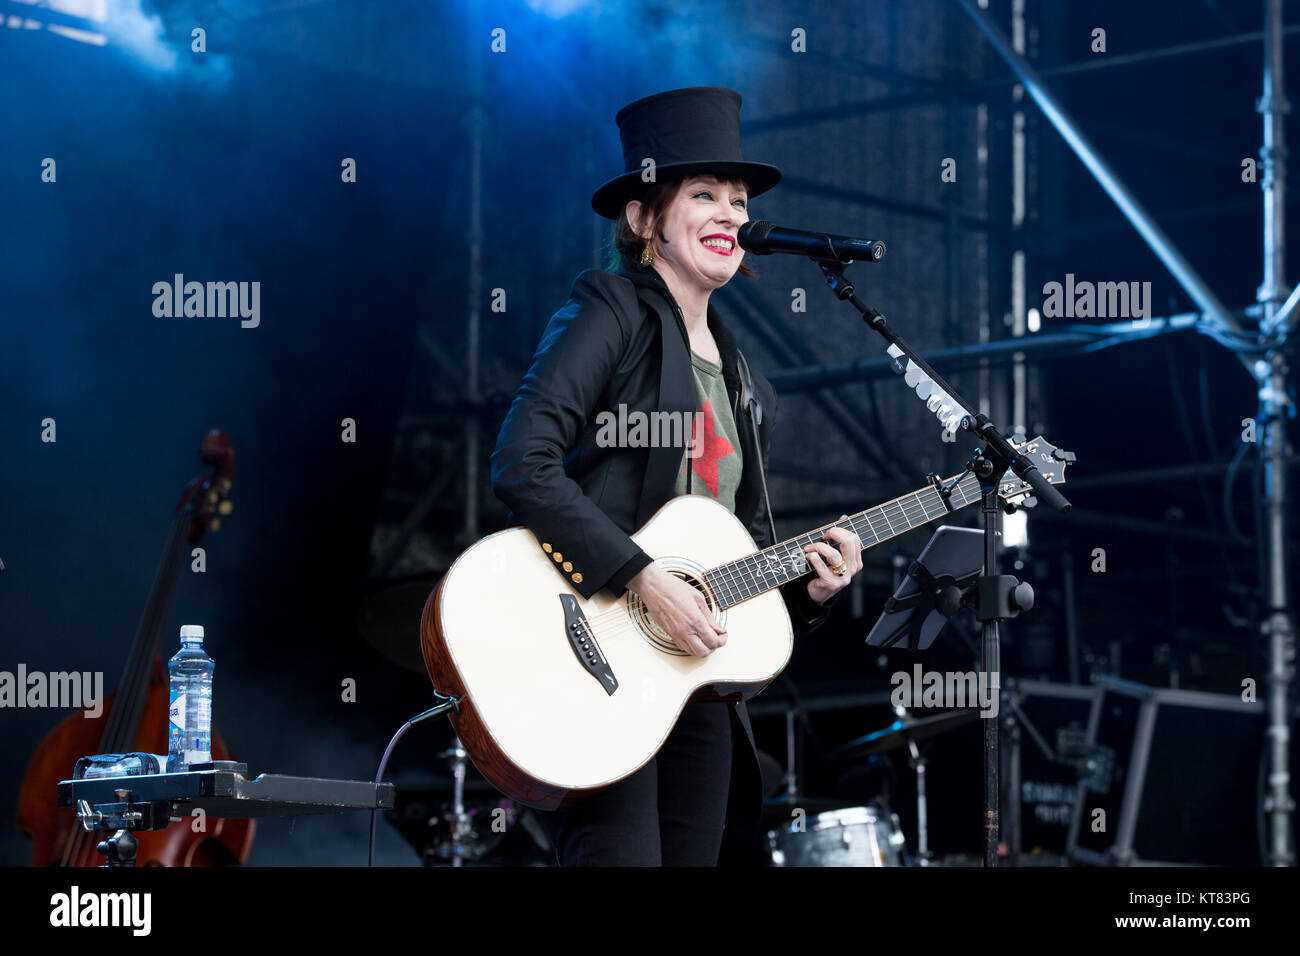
(669,813)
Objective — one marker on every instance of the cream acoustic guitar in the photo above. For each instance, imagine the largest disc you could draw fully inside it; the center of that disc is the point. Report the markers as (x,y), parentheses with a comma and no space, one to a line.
(561,695)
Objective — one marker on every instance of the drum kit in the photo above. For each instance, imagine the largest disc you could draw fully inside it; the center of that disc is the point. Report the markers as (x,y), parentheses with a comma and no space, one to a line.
(820,832)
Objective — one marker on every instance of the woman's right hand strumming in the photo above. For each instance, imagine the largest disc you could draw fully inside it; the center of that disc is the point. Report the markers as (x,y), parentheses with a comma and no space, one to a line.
(679,609)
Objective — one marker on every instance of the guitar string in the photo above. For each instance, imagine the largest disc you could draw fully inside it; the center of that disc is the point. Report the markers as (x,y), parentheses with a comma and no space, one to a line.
(729,579)
(733,584)
(595,627)
(732,579)
(736,589)
(626,623)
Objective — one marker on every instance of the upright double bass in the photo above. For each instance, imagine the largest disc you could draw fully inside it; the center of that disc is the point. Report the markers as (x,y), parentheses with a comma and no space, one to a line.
(134,717)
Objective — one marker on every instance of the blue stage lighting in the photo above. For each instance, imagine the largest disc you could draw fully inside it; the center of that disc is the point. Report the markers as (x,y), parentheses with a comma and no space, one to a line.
(556,8)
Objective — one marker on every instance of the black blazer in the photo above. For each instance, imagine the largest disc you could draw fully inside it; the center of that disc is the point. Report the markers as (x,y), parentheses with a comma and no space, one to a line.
(621,339)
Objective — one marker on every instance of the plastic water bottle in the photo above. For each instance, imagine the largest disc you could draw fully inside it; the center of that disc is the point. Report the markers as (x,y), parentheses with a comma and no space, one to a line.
(189,715)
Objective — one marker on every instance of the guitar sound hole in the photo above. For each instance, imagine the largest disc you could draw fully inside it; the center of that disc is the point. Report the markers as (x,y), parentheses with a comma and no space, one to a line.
(650,629)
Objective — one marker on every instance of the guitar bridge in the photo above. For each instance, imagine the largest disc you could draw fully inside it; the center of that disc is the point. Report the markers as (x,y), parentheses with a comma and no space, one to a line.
(584,645)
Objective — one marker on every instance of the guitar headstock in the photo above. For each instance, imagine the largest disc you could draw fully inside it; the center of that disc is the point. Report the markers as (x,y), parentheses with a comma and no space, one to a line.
(207,496)
(1049,460)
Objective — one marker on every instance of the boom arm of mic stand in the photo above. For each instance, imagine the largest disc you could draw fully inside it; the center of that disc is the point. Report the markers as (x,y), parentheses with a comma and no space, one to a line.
(973,421)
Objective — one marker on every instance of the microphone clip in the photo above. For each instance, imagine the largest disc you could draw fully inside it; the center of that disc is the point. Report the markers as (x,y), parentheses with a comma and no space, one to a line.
(833,269)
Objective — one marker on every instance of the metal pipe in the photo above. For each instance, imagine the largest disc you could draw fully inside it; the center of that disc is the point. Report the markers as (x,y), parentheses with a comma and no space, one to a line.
(928,92)
(885,203)
(1274,107)
(1141,476)
(1278,627)
(1112,60)
(1045,345)
(1019,203)
(1071,617)
(1100,519)
(1128,204)
(791,770)
(1273,401)
(476,121)
(1280,317)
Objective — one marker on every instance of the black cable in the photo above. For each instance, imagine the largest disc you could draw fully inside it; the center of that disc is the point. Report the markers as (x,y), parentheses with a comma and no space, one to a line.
(1229,480)
(447,703)
(1184,419)
(1233,341)
(1203,384)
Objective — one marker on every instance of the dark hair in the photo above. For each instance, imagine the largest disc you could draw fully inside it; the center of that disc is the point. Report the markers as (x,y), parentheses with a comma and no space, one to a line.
(623,250)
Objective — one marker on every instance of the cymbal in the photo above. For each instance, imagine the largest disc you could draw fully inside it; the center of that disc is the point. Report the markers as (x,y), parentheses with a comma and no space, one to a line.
(900,732)
(389,621)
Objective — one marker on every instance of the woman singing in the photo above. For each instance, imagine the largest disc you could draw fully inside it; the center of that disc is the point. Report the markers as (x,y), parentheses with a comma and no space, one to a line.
(643,335)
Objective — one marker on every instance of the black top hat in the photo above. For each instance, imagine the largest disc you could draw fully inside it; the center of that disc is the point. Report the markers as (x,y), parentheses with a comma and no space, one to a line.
(696,130)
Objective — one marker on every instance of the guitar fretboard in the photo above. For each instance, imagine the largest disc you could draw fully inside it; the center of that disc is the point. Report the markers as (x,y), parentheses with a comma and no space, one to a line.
(772,567)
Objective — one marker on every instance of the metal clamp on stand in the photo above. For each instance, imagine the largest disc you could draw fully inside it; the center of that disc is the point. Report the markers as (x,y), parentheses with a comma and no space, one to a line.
(123,816)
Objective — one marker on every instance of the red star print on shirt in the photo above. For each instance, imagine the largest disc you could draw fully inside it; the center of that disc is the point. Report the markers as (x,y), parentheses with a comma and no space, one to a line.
(715,446)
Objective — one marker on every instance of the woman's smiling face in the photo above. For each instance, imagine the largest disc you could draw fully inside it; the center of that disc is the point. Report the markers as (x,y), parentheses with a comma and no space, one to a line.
(697,232)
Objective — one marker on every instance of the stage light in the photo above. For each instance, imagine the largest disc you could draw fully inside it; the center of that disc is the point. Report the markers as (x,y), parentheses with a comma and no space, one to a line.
(556,8)
(1015,529)
(67,18)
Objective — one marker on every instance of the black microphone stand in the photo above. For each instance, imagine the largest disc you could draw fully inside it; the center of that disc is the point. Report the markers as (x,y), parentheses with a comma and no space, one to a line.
(999,596)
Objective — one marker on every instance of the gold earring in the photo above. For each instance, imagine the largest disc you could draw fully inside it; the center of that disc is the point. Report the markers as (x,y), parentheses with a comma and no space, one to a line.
(647,256)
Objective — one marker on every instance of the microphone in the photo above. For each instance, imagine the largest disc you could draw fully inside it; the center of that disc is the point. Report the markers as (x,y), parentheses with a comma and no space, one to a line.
(763,238)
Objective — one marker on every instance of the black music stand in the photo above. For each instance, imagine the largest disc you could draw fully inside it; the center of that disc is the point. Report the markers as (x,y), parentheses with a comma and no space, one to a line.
(937,581)
(931,592)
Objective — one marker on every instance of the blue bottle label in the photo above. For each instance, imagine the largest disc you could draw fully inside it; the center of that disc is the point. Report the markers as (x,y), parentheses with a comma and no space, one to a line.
(176,714)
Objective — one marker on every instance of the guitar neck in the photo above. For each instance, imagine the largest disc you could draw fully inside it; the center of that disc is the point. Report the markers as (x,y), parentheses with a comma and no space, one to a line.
(781,563)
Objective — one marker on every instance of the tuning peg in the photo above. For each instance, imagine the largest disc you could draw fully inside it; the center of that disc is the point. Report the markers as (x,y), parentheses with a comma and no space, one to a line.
(226,507)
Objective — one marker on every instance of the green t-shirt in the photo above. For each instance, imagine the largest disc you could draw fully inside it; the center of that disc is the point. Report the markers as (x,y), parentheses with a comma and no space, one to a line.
(711,465)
